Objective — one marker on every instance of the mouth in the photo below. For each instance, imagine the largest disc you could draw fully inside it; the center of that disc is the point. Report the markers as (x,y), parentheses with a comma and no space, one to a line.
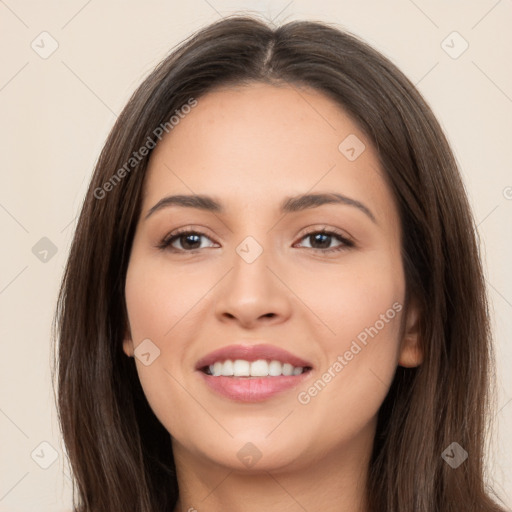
(252,373)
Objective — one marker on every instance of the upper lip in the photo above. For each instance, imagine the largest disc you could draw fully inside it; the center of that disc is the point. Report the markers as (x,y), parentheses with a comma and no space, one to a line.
(251,353)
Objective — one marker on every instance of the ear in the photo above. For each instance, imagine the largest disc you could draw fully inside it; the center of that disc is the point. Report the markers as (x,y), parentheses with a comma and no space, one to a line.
(411,354)
(128,343)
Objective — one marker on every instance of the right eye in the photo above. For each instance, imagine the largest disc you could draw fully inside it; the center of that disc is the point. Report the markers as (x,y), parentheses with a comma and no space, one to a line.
(187,238)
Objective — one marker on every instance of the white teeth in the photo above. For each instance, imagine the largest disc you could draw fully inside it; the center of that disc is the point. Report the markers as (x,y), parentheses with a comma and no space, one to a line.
(241,368)
(227,368)
(259,368)
(287,369)
(275,368)
(217,368)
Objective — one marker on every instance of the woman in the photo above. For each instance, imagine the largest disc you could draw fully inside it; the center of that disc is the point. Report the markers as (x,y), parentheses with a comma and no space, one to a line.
(211,355)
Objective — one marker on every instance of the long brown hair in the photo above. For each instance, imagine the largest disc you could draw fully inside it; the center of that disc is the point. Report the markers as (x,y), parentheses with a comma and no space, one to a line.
(120,454)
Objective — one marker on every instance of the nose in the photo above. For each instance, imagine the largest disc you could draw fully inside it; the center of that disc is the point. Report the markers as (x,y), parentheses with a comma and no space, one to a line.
(254,294)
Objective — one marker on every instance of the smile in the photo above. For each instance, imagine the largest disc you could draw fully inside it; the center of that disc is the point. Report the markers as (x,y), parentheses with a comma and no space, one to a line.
(258,368)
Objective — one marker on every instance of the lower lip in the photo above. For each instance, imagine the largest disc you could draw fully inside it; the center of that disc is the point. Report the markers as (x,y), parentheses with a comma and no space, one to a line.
(253,389)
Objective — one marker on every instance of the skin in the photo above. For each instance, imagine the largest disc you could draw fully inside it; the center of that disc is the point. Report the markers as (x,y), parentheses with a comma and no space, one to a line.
(250,147)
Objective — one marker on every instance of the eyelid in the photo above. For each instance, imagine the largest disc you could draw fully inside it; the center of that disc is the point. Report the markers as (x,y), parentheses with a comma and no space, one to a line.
(323,228)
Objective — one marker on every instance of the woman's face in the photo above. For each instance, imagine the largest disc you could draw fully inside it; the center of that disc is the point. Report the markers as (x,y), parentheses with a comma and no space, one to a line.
(257,271)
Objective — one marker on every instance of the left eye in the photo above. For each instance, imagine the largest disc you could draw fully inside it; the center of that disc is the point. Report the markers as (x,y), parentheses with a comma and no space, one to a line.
(191,241)
(324,239)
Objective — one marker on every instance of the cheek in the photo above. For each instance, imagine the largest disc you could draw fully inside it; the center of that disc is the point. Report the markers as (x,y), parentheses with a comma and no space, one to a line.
(158,300)
(364,310)
(366,304)
(354,297)
(160,307)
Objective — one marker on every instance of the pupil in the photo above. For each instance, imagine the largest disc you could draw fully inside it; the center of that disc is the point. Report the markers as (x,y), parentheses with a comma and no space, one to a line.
(187,237)
(326,237)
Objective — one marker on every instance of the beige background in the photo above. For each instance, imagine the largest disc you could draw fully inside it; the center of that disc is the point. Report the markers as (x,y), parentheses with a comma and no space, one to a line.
(57,111)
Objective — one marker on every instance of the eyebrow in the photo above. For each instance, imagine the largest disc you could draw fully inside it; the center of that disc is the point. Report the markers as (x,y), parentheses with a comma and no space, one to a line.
(289,205)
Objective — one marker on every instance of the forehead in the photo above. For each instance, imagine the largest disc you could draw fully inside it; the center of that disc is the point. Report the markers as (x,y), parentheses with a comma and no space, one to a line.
(259,142)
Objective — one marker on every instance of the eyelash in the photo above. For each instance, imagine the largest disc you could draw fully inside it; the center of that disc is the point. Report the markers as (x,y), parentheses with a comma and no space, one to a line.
(171,237)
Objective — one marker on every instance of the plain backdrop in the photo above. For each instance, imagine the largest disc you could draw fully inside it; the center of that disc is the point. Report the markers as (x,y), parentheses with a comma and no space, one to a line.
(68,69)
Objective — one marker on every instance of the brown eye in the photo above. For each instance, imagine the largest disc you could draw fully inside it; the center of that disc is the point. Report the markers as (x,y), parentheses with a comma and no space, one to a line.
(188,240)
(321,241)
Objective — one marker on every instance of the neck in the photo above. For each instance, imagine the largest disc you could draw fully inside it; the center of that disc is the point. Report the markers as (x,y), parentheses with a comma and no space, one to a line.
(335,481)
